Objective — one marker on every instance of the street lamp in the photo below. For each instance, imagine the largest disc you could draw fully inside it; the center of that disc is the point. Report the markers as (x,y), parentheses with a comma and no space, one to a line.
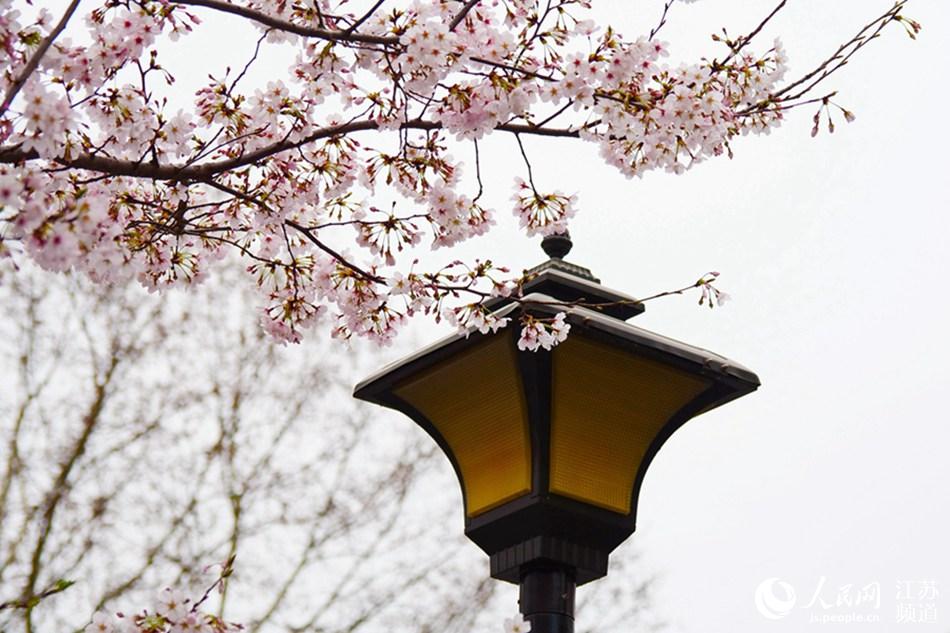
(551,447)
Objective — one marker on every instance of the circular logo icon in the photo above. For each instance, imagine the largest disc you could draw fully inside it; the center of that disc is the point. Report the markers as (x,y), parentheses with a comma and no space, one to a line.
(774,598)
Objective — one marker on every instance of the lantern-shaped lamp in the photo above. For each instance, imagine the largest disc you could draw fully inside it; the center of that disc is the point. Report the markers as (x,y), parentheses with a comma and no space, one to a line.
(551,447)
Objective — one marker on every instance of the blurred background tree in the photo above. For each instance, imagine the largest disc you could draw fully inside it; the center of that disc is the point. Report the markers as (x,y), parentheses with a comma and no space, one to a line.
(143,438)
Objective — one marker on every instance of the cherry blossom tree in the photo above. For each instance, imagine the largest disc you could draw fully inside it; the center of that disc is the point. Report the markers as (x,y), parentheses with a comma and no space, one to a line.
(327,179)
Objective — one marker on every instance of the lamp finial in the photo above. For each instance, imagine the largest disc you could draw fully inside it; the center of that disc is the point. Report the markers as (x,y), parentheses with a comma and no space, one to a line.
(557,245)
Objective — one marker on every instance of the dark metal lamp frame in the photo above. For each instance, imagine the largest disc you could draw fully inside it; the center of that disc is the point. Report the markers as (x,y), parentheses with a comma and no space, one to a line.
(543,541)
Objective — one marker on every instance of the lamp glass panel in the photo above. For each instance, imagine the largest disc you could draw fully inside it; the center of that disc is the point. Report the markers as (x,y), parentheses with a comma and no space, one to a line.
(476,402)
(608,405)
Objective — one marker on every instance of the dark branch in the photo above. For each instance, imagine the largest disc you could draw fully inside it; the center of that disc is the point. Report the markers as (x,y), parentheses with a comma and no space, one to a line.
(202,171)
(289,27)
(461,14)
(332,253)
(825,69)
(662,22)
(31,65)
(365,17)
(743,41)
(307,232)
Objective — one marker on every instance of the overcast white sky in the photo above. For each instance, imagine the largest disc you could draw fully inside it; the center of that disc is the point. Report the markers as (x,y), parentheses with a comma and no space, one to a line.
(835,251)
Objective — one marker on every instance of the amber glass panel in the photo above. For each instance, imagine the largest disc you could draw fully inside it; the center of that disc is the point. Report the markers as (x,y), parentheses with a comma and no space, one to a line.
(608,405)
(476,402)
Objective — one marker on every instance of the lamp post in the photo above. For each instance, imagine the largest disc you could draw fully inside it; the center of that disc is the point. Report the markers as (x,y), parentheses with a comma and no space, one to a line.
(551,447)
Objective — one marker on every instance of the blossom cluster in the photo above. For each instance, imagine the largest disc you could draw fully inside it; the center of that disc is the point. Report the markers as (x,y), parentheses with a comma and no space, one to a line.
(543,333)
(172,614)
(107,169)
(173,611)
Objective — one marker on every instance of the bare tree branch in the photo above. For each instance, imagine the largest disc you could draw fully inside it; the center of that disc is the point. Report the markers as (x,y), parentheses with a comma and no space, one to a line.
(60,486)
(842,54)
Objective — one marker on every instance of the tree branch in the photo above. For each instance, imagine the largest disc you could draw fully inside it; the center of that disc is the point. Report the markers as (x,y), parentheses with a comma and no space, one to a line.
(461,14)
(744,40)
(307,232)
(332,253)
(31,65)
(203,171)
(365,17)
(289,27)
(60,486)
(858,41)
(57,587)
(662,22)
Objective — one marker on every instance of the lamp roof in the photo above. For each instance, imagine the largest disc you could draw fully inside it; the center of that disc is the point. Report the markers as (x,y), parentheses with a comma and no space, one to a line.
(643,340)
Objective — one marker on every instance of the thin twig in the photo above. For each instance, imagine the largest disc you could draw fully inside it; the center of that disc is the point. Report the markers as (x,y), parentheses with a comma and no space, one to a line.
(332,253)
(57,587)
(662,22)
(858,41)
(247,66)
(365,17)
(307,232)
(743,41)
(478,172)
(527,163)
(523,71)
(560,111)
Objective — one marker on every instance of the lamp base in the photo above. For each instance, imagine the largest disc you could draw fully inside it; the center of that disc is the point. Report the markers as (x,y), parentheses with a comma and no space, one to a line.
(586,563)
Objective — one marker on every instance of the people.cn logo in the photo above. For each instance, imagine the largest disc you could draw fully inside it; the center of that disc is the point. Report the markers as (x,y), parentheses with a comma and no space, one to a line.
(774,598)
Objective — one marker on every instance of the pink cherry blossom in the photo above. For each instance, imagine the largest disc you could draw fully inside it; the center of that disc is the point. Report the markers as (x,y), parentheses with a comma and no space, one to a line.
(325,179)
